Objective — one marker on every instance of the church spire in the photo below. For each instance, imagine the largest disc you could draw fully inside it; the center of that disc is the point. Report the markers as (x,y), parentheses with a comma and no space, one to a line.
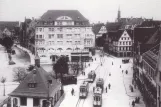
(118,14)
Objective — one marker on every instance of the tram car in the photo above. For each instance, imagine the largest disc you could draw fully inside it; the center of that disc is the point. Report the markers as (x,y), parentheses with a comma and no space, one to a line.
(69,79)
(97,97)
(125,61)
(91,76)
(100,83)
(84,88)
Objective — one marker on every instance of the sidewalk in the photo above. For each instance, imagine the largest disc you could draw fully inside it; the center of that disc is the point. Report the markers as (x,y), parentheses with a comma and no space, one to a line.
(32,57)
(127,78)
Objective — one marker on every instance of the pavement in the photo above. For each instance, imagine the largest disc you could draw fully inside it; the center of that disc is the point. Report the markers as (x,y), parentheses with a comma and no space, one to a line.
(128,81)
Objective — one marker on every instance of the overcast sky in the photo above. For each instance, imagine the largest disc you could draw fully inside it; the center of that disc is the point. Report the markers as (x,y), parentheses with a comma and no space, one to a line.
(94,10)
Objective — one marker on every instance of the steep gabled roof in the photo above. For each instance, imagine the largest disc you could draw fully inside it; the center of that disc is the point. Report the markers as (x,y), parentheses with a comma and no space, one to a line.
(155,39)
(150,23)
(115,36)
(96,28)
(151,56)
(41,78)
(10,25)
(54,14)
(142,35)
(114,26)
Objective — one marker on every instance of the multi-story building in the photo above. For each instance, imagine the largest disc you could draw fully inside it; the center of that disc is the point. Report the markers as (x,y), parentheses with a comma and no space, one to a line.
(99,29)
(27,34)
(120,43)
(63,32)
(145,63)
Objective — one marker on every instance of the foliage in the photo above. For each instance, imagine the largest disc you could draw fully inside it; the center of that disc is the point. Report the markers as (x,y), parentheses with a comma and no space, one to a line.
(7,42)
(3,80)
(100,41)
(19,74)
(92,50)
(61,66)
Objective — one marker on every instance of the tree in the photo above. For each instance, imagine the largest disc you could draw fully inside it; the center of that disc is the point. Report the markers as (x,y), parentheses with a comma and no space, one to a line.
(19,74)
(3,80)
(7,42)
(61,66)
(100,41)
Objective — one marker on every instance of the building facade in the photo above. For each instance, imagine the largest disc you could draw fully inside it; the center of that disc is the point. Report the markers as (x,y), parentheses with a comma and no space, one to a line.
(120,43)
(99,29)
(146,63)
(63,32)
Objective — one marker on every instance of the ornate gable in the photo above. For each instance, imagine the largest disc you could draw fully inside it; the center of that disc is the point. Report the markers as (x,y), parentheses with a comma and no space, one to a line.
(64,18)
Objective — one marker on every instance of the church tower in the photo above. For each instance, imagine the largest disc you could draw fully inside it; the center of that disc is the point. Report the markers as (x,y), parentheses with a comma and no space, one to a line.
(118,15)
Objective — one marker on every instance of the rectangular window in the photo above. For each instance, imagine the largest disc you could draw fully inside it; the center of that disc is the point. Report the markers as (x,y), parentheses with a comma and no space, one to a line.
(40,29)
(59,36)
(120,43)
(126,43)
(49,36)
(37,36)
(23,101)
(123,43)
(129,43)
(49,29)
(69,35)
(52,29)
(40,36)
(122,38)
(60,42)
(52,35)
(36,101)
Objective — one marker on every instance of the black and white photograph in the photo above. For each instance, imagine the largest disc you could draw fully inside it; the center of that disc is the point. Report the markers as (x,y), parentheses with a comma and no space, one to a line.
(80,53)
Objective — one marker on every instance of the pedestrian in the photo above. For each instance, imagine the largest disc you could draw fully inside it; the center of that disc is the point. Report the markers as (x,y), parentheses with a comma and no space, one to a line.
(133,103)
(72,92)
(112,63)
(126,72)
(106,89)
(120,66)
(93,89)
(109,74)
(109,85)
(95,59)
(88,64)
(122,71)
(84,73)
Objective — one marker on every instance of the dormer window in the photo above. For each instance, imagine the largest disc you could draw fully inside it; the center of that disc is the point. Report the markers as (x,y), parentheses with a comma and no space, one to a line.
(31,85)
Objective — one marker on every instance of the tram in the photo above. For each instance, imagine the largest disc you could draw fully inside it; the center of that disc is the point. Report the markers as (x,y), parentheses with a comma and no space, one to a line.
(91,76)
(100,83)
(97,97)
(84,88)
(125,61)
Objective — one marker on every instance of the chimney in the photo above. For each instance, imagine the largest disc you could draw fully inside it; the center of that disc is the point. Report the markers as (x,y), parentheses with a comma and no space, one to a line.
(37,60)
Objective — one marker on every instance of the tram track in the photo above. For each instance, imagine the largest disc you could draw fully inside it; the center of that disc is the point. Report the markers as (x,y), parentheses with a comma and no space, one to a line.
(80,102)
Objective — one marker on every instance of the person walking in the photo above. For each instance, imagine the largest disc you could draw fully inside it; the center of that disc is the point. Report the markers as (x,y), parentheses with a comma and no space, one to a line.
(72,92)
(109,85)
(120,66)
(93,89)
(133,103)
(106,89)
(112,63)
